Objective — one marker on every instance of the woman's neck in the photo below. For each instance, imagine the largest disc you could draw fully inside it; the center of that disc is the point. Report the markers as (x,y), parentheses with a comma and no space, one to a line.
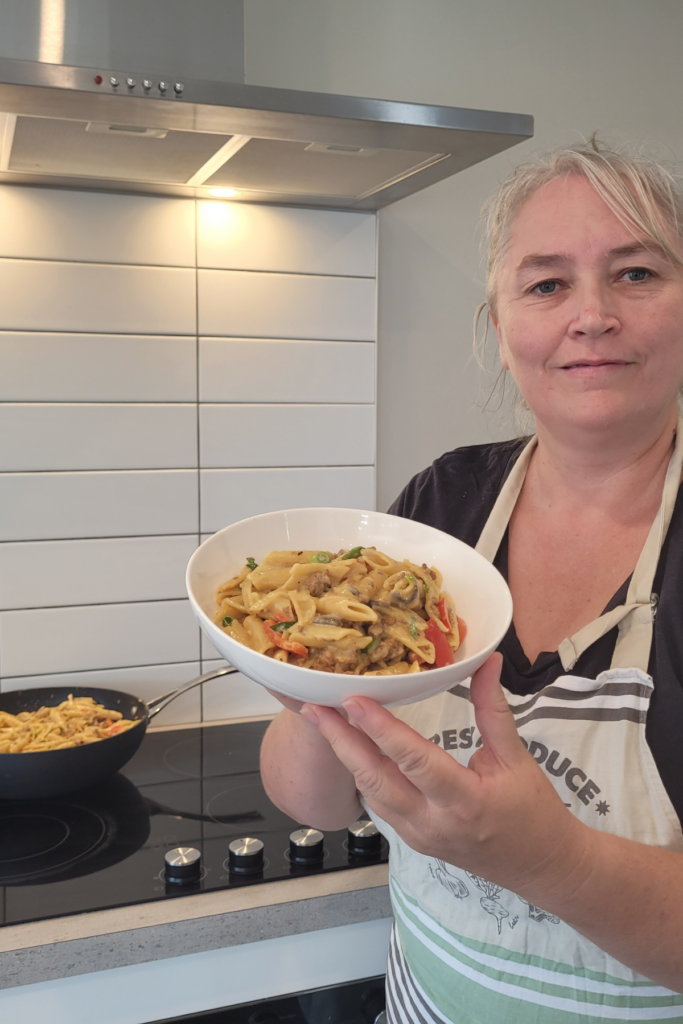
(621,474)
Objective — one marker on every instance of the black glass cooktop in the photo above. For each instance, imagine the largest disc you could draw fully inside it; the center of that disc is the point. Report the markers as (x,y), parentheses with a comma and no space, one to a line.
(105,846)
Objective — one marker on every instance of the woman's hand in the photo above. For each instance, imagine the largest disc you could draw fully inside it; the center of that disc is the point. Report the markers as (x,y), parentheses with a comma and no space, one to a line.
(287,702)
(499,818)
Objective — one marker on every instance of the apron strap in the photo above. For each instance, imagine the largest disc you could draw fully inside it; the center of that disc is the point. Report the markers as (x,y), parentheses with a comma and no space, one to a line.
(497,522)
(636,615)
(635,618)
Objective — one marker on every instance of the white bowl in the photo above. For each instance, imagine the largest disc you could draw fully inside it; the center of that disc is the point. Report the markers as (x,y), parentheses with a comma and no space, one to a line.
(480,593)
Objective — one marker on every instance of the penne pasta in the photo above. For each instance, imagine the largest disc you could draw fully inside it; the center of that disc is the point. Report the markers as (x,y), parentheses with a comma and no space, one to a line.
(360,612)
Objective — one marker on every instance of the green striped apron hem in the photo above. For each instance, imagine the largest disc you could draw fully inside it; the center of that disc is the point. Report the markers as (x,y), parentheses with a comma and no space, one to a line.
(442,952)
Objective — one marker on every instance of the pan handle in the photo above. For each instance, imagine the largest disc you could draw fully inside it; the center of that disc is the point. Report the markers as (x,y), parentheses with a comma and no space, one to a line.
(159,703)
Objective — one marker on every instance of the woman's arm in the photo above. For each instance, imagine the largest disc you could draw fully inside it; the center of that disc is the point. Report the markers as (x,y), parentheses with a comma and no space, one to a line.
(627,898)
(501,818)
(303,776)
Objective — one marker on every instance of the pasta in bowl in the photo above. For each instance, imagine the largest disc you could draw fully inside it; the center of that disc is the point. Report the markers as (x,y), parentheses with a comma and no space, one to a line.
(321,604)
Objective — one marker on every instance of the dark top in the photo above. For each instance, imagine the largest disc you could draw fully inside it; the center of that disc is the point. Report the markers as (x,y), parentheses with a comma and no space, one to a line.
(457,493)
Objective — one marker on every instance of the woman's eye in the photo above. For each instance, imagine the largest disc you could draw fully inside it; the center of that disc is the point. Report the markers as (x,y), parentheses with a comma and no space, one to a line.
(546,287)
(637,274)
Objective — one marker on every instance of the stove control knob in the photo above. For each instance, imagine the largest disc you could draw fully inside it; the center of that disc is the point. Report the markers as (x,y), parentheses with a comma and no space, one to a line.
(182,865)
(306,846)
(178,88)
(364,839)
(163,86)
(147,83)
(245,856)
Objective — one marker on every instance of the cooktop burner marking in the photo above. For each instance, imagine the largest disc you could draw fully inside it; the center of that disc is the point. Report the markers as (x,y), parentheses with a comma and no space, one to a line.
(38,844)
(186,751)
(20,840)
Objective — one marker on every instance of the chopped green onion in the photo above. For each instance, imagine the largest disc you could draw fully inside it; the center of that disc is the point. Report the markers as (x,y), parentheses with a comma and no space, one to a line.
(280,627)
(353,553)
(410,578)
(426,589)
(227,620)
(371,646)
(252,564)
(320,556)
(413,627)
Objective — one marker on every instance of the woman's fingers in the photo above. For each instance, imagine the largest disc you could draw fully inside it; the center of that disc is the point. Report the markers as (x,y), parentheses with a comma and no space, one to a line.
(426,766)
(377,777)
(492,713)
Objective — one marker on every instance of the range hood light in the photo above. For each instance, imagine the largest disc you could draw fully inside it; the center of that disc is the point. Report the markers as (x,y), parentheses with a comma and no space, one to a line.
(223,193)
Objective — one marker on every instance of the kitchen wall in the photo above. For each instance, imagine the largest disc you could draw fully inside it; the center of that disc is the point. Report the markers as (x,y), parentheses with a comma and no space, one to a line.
(578,67)
(167,367)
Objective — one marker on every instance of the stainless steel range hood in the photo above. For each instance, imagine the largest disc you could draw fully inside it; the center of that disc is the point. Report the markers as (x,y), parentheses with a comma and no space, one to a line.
(131,130)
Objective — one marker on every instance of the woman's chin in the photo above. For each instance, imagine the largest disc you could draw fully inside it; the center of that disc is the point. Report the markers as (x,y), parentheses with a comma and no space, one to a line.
(600,413)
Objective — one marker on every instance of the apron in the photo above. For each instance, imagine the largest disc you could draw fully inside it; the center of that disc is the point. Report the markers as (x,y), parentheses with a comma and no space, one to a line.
(466,950)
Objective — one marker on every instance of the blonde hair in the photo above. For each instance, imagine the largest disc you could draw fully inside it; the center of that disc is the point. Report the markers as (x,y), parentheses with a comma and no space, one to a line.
(645,195)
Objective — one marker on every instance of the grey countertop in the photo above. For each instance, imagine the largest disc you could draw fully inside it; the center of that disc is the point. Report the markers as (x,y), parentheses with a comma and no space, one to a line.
(85,943)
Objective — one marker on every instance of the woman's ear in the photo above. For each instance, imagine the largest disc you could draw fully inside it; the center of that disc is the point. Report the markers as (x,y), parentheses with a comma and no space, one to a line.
(502,347)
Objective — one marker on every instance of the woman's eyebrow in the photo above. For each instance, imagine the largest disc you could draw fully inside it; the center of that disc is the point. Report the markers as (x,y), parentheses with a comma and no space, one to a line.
(543,261)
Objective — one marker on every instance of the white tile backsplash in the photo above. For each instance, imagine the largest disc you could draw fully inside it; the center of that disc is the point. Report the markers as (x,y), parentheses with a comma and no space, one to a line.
(235,696)
(235,436)
(52,436)
(118,422)
(50,506)
(45,574)
(54,224)
(244,236)
(146,682)
(77,639)
(95,297)
(97,367)
(236,304)
(228,495)
(236,370)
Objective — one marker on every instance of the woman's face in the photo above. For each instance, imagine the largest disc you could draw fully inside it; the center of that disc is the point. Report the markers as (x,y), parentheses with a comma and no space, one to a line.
(589,320)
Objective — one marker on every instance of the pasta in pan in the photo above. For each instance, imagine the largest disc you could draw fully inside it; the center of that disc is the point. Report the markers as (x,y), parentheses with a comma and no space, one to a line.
(356,612)
(72,723)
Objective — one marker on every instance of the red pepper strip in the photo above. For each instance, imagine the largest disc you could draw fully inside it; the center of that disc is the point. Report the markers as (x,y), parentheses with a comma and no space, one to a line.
(443,614)
(279,640)
(113,731)
(443,655)
(462,628)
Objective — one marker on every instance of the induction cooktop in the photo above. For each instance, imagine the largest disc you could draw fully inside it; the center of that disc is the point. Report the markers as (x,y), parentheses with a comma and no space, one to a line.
(174,821)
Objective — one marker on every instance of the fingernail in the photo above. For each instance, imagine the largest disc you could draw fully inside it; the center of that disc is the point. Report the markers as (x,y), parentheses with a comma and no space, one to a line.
(309,714)
(353,709)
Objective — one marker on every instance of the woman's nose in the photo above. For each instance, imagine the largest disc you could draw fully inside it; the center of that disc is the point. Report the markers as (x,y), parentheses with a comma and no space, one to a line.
(592,313)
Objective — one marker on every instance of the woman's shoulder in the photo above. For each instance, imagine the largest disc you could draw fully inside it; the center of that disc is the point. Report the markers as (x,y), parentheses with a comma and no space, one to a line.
(456,493)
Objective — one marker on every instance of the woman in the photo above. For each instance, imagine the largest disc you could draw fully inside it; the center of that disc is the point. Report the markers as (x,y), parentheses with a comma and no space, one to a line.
(536,868)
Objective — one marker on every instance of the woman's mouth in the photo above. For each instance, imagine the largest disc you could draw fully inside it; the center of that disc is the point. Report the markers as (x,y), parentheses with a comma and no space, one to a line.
(594,365)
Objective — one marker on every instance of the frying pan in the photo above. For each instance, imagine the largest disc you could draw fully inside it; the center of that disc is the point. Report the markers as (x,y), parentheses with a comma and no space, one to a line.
(46,773)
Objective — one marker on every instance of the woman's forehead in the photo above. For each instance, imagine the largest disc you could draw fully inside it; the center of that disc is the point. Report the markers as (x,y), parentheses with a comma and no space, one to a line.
(568,210)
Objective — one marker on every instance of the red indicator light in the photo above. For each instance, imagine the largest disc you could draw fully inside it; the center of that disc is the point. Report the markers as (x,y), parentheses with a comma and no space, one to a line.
(98,79)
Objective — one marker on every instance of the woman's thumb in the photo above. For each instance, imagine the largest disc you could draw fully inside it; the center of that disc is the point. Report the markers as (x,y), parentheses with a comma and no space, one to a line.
(492,712)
